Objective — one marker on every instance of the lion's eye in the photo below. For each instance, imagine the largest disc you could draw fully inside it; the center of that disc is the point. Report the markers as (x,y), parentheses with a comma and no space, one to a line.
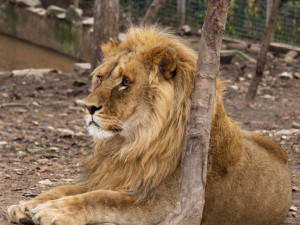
(100,77)
(125,83)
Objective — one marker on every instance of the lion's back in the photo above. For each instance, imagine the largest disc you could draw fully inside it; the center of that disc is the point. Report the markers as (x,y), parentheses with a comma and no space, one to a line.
(257,190)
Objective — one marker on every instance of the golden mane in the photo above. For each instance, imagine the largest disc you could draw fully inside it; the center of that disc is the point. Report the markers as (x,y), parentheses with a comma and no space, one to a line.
(139,162)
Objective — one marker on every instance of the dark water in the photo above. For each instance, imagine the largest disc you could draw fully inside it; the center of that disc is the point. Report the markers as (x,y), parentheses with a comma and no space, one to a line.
(16,54)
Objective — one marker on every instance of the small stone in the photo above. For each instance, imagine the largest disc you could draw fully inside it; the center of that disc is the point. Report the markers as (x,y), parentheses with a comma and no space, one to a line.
(3,143)
(54,10)
(249,75)
(286,75)
(288,60)
(186,29)
(297,75)
(268,97)
(45,182)
(36,123)
(61,16)
(296,125)
(48,128)
(294,208)
(121,37)
(29,3)
(39,11)
(89,21)
(82,68)
(270,55)
(255,48)
(65,132)
(73,14)
(292,54)
(234,87)
(79,102)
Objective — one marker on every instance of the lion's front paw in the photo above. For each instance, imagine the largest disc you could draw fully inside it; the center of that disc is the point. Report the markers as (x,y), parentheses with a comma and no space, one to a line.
(57,212)
(21,213)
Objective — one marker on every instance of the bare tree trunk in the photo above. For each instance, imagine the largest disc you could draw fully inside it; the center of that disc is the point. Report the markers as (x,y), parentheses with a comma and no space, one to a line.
(194,161)
(152,11)
(261,59)
(106,25)
(180,13)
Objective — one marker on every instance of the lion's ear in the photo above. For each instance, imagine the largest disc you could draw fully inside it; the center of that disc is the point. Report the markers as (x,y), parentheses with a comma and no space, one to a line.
(110,47)
(165,59)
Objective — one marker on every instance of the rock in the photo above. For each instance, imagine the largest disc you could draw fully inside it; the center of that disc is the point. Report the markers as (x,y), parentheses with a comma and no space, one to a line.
(65,132)
(268,97)
(79,102)
(39,11)
(287,132)
(89,21)
(82,68)
(35,150)
(297,75)
(54,10)
(61,16)
(254,48)
(29,3)
(53,150)
(249,75)
(296,125)
(45,182)
(238,45)
(3,143)
(288,60)
(234,87)
(186,29)
(286,75)
(270,56)
(73,14)
(121,37)
(48,128)
(32,72)
(292,54)
(5,73)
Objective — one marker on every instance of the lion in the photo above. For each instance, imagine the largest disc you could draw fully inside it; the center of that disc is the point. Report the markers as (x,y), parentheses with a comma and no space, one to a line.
(137,113)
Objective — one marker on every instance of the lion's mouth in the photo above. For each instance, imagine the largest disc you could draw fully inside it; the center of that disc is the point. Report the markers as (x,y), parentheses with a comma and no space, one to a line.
(113,128)
(92,122)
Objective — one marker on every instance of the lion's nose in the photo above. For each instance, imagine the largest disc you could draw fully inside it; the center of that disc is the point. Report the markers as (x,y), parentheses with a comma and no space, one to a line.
(92,109)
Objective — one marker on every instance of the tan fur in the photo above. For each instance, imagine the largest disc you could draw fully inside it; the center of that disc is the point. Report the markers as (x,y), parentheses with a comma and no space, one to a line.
(142,93)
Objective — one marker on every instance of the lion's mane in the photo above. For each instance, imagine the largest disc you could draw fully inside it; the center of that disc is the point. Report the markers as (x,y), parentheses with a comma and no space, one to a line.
(139,162)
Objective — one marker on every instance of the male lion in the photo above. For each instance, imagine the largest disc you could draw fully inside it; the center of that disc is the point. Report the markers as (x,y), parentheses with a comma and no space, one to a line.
(137,113)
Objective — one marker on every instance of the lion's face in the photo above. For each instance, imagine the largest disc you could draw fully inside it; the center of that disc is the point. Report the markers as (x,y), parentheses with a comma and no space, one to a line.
(119,96)
(142,81)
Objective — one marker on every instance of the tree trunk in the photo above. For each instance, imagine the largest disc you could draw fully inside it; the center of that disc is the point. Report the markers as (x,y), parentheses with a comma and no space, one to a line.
(180,13)
(194,160)
(106,26)
(152,11)
(261,59)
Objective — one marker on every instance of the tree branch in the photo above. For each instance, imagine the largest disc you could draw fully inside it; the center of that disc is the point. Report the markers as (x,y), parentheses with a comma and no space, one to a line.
(194,161)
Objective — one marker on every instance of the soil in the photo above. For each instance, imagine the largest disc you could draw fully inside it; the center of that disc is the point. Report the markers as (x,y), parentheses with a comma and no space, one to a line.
(43,137)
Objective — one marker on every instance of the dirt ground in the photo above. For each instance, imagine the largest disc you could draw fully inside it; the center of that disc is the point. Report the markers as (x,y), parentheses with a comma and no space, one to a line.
(43,137)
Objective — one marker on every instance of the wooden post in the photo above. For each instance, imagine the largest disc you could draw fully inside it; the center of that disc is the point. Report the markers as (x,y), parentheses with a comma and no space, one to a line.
(180,13)
(106,25)
(152,11)
(261,59)
(194,161)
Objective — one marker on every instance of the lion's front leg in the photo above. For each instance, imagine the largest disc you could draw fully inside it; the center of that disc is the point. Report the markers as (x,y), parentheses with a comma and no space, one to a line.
(98,207)
(22,212)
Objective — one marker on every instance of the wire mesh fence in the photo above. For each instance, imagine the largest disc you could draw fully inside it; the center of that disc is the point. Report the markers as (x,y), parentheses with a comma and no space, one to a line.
(246,18)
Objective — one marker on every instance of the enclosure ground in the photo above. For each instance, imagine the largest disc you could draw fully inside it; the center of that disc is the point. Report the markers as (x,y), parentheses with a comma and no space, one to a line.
(43,137)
